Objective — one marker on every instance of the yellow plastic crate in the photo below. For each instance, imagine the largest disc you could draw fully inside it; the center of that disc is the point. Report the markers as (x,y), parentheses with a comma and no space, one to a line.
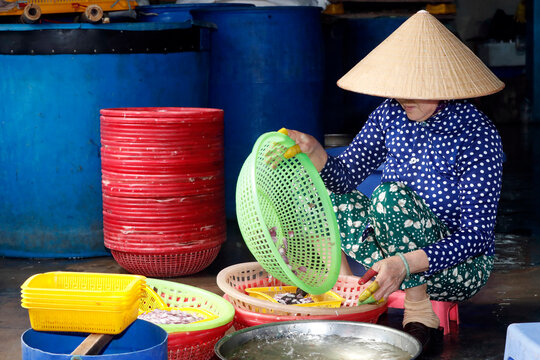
(87,321)
(151,301)
(82,302)
(327,300)
(76,298)
(80,284)
(77,305)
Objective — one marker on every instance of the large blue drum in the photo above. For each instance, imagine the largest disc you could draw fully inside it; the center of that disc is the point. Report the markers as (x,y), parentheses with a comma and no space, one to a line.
(56,78)
(177,12)
(266,72)
(142,340)
(347,41)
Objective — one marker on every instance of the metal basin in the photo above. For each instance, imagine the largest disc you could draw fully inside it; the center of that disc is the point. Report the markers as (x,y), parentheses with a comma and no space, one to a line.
(364,331)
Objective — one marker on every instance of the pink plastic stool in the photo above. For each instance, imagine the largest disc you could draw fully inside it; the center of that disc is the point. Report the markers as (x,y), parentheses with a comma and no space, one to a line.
(445,310)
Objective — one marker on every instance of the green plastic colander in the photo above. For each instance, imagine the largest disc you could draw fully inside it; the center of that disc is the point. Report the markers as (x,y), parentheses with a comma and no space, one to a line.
(288,196)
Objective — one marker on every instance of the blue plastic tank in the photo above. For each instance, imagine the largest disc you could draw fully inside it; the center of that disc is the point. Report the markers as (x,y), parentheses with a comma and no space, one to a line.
(56,79)
(362,35)
(177,12)
(142,340)
(266,72)
(347,41)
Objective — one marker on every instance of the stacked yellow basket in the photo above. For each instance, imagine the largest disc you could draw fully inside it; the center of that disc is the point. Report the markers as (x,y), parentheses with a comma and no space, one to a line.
(82,302)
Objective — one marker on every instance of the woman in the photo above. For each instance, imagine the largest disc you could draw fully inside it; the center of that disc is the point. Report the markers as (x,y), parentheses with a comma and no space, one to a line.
(429,227)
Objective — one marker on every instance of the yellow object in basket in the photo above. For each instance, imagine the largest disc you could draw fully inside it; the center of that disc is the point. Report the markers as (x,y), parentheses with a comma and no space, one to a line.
(151,301)
(327,300)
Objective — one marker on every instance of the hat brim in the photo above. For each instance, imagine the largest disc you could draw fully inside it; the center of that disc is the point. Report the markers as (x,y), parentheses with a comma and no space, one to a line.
(422,59)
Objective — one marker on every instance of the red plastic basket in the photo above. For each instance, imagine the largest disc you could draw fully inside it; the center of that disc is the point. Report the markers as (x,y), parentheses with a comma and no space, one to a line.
(174,205)
(182,151)
(155,186)
(244,318)
(166,265)
(163,188)
(195,345)
(144,243)
(153,245)
(157,227)
(164,114)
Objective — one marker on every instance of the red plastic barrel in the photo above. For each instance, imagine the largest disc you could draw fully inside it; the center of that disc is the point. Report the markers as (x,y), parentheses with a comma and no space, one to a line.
(163,188)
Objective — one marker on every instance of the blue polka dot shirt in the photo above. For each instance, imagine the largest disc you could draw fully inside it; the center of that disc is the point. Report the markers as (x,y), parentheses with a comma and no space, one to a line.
(453,160)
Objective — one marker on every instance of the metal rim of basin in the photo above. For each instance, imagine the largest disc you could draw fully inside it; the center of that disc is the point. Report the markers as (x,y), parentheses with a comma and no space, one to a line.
(242,336)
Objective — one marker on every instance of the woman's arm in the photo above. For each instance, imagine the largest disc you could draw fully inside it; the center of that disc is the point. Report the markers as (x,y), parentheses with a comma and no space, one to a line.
(345,269)
(367,151)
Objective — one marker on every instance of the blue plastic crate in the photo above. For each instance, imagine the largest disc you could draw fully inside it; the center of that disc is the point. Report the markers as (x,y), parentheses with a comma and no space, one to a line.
(522,341)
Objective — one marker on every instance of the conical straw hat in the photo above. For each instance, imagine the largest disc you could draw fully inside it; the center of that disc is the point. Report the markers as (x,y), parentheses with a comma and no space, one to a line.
(421,59)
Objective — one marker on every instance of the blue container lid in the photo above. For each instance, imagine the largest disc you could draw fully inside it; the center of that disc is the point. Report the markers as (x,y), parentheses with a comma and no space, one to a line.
(142,340)
(115,38)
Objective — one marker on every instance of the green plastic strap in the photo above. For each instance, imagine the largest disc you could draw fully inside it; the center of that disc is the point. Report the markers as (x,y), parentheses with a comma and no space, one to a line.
(406,266)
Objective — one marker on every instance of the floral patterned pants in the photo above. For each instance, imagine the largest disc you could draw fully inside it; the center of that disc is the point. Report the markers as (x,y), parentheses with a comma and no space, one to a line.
(396,220)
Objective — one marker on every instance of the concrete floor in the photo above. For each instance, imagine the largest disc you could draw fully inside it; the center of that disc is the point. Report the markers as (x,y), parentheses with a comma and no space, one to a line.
(511,295)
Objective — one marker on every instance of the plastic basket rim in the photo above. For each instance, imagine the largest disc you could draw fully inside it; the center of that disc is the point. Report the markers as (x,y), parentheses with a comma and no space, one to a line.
(52,296)
(104,302)
(270,317)
(161,305)
(128,290)
(222,319)
(99,309)
(176,113)
(131,250)
(186,339)
(236,295)
(328,210)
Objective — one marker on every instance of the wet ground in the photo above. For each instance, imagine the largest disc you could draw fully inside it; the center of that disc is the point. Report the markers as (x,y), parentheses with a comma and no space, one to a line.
(512,294)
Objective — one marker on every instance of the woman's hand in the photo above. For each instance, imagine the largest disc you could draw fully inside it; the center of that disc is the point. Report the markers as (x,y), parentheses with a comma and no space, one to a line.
(311,147)
(391,273)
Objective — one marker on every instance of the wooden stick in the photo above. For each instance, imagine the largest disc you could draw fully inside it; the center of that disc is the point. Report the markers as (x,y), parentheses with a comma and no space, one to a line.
(93,344)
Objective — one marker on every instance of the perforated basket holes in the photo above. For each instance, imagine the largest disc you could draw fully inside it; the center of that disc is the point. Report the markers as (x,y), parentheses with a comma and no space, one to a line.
(91,282)
(289,200)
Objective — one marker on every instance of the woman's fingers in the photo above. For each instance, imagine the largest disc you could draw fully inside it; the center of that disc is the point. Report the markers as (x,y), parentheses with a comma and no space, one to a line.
(311,147)
(303,140)
(391,274)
